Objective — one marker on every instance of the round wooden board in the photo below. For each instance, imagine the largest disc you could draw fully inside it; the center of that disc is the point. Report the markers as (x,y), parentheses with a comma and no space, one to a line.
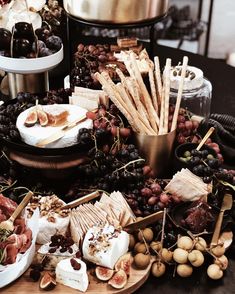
(24,285)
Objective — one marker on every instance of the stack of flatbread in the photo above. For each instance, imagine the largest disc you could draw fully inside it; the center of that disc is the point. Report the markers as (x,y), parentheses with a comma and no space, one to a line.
(111,209)
(188,186)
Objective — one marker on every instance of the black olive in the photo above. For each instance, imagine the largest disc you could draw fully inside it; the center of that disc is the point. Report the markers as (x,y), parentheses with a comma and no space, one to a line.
(24,30)
(5,39)
(21,47)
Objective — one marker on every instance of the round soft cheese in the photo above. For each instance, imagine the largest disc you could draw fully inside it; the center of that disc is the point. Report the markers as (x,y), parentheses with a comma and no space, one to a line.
(32,135)
(193,78)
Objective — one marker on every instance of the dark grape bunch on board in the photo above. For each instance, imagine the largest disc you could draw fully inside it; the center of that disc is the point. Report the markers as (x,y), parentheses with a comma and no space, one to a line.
(90,59)
(23,101)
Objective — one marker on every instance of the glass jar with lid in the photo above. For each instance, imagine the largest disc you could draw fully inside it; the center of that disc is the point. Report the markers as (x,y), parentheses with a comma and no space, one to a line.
(196,96)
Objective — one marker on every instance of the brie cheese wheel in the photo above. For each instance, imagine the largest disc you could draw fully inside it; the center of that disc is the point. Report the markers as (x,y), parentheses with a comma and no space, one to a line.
(103,245)
(66,275)
(193,80)
(33,135)
(55,257)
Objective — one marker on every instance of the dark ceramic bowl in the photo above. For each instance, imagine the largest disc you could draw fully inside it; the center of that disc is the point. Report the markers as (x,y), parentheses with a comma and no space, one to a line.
(180,150)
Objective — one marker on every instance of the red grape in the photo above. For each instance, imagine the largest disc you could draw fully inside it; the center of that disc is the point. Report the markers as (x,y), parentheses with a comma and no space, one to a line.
(91,115)
(181,139)
(195,124)
(125,132)
(181,119)
(164,198)
(156,188)
(146,169)
(146,192)
(188,125)
(96,124)
(181,126)
(114,131)
(152,200)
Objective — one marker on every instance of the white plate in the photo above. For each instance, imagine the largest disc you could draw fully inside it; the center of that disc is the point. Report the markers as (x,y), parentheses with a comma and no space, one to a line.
(31,65)
(13,271)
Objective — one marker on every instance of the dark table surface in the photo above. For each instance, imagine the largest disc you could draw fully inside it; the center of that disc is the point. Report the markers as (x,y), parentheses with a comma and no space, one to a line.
(222,77)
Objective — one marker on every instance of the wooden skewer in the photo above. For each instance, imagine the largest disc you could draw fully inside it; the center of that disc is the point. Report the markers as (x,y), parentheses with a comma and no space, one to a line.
(179,95)
(153,89)
(207,135)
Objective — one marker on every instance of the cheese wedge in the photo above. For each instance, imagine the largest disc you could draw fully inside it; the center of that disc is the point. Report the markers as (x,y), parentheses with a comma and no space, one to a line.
(68,276)
(103,245)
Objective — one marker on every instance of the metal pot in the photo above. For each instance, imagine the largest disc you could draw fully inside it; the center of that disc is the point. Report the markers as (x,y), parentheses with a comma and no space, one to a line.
(116,11)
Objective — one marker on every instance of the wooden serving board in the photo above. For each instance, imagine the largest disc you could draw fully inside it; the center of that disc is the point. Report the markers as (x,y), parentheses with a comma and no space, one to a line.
(24,284)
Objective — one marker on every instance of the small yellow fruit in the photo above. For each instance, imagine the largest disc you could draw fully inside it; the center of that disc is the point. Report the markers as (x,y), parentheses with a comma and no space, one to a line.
(141,260)
(180,255)
(218,251)
(167,255)
(184,270)
(200,244)
(185,243)
(156,245)
(158,269)
(214,272)
(222,262)
(140,248)
(131,242)
(196,258)
(147,233)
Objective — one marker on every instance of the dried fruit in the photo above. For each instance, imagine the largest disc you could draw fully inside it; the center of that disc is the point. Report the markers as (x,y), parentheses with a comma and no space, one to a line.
(103,273)
(167,255)
(200,244)
(140,247)
(42,117)
(124,263)
(75,265)
(185,243)
(118,280)
(31,118)
(47,282)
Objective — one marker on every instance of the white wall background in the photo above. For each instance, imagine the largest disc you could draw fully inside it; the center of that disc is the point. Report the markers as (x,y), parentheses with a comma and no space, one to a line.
(222,36)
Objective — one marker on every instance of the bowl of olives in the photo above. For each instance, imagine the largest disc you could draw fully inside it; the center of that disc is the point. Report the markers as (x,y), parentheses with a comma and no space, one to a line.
(201,162)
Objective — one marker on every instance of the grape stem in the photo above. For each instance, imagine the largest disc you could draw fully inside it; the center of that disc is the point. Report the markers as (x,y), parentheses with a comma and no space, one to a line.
(130,162)
(8,187)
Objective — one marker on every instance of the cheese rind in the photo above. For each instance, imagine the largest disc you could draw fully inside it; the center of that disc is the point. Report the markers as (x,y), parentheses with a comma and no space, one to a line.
(103,245)
(66,275)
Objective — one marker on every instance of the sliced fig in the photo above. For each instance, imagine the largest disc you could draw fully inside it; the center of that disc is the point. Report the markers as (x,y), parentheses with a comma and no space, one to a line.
(124,263)
(103,273)
(119,280)
(47,282)
(31,118)
(42,117)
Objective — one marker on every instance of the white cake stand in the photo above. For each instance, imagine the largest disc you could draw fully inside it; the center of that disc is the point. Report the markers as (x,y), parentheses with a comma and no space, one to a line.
(29,74)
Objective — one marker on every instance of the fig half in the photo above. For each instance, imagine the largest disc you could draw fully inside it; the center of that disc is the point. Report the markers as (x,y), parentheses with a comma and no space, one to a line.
(103,273)
(124,263)
(47,282)
(42,117)
(119,280)
(31,118)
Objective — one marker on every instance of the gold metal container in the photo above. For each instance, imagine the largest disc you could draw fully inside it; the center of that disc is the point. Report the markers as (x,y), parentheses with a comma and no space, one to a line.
(116,11)
(157,150)
(32,83)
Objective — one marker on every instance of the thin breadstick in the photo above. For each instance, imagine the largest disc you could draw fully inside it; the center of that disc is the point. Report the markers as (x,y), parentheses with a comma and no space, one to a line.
(158,79)
(153,89)
(109,90)
(134,91)
(161,123)
(179,95)
(135,113)
(153,117)
(166,93)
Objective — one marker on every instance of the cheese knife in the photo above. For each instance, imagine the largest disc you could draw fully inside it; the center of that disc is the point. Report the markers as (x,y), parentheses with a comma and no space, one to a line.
(145,221)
